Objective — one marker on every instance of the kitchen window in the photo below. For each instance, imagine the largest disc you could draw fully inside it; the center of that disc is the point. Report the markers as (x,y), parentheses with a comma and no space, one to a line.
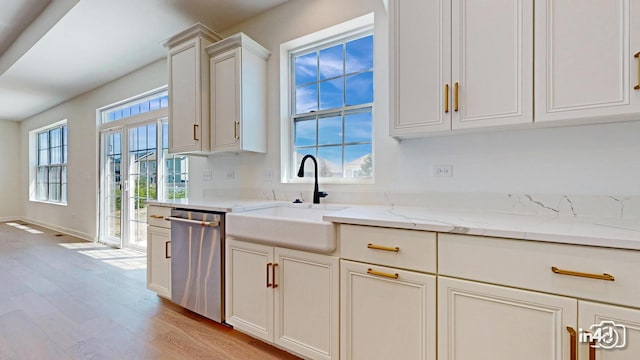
(51,164)
(330,113)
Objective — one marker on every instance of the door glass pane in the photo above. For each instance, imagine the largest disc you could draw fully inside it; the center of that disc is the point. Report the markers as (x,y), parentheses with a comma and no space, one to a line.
(112,192)
(142,179)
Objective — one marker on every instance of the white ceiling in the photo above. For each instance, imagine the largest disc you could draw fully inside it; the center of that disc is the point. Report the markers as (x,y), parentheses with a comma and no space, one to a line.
(63,48)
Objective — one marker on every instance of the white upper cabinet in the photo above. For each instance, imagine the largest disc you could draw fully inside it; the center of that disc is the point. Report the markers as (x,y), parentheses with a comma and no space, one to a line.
(460,64)
(420,66)
(492,62)
(584,55)
(238,70)
(188,65)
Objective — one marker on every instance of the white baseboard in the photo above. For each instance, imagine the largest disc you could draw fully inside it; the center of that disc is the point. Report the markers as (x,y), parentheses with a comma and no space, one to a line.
(9,218)
(60,229)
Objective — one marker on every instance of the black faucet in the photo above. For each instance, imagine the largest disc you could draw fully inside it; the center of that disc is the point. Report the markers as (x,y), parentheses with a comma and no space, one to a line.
(316,194)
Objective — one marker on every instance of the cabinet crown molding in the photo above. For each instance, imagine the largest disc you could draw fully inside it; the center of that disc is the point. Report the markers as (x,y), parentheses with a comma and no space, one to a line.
(236,41)
(193,31)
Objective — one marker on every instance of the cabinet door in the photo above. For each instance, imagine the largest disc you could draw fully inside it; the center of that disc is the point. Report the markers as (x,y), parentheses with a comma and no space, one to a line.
(248,290)
(492,62)
(188,86)
(225,100)
(307,303)
(159,260)
(624,346)
(420,66)
(386,313)
(480,321)
(585,64)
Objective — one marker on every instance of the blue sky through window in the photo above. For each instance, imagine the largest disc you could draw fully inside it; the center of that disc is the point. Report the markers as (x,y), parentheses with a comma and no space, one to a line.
(333,102)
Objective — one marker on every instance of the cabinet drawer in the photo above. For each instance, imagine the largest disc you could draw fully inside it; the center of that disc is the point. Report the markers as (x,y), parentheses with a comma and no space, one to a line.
(156,216)
(528,264)
(407,249)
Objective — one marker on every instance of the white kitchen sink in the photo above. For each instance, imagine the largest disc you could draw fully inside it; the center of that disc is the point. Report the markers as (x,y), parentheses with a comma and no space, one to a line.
(292,226)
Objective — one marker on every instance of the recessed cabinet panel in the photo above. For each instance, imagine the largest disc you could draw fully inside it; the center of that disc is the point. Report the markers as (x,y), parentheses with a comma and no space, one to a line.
(248,300)
(624,344)
(159,260)
(585,65)
(225,107)
(492,57)
(420,65)
(185,130)
(386,313)
(479,321)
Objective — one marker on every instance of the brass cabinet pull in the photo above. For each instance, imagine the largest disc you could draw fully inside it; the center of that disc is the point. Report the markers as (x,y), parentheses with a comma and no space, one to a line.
(236,125)
(166,250)
(384,248)
(592,350)
(195,132)
(157,217)
(637,56)
(273,275)
(455,97)
(379,273)
(605,276)
(268,283)
(573,343)
(446,98)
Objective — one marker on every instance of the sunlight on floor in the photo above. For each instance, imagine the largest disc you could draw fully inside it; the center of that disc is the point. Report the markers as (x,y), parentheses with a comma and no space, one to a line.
(24,227)
(126,259)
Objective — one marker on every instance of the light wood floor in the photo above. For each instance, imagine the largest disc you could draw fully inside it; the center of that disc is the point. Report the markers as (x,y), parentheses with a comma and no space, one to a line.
(62,298)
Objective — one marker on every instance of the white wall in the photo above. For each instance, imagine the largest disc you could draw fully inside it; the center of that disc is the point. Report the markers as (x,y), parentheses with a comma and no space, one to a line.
(79,217)
(10,205)
(593,160)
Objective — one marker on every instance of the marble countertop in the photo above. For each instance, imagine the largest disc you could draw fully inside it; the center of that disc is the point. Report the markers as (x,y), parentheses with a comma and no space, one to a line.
(570,230)
(605,232)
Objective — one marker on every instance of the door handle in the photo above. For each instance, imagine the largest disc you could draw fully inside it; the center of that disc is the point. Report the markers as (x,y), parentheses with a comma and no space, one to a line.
(446,98)
(637,56)
(455,97)
(573,342)
(236,125)
(268,283)
(166,250)
(273,275)
(195,132)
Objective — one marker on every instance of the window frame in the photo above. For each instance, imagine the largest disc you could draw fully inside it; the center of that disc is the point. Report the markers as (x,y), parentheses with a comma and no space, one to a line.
(338,34)
(36,167)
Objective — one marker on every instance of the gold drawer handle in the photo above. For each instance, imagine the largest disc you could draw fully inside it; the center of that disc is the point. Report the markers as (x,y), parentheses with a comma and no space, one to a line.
(378,273)
(605,276)
(383,248)
(157,217)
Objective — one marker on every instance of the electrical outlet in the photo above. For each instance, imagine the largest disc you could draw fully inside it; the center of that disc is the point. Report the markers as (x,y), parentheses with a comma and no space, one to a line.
(268,175)
(442,170)
(207,175)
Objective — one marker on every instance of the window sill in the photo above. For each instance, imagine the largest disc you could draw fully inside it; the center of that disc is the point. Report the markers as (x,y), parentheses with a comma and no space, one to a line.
(48,202)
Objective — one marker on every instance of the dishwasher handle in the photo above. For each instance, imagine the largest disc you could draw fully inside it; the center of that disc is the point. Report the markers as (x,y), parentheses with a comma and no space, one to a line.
(197,222)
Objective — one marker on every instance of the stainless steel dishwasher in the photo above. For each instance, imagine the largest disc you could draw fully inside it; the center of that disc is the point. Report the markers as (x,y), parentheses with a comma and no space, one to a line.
(197,262)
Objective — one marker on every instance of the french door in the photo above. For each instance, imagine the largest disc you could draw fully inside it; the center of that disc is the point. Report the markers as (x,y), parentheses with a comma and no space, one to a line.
(130,173)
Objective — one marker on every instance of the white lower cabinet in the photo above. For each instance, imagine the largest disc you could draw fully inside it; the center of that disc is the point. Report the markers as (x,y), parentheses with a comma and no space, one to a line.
(159,260)
(286,297)
(625,336)
(386,313)
(486,322)
(159,251)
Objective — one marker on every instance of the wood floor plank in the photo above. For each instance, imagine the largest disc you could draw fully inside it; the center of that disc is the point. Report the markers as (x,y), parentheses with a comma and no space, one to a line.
(63,298)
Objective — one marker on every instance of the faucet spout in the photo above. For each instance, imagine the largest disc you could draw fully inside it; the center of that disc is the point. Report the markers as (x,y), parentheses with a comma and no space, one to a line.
(316,194)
